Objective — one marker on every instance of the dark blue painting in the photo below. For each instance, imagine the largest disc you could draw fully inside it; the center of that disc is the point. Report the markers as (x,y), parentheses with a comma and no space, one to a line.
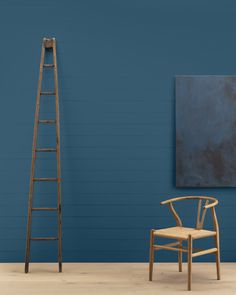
(206,131)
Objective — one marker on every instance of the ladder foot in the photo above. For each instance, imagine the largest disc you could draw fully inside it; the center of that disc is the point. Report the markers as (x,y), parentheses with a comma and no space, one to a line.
(26,267)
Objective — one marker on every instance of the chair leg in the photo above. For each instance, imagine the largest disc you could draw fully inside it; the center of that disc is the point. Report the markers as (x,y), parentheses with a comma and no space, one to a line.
(151,255)
(217,242)
(190,250)
(180,257)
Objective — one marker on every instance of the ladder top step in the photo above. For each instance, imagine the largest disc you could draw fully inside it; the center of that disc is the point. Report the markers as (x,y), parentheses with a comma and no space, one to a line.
(48,42)
(44,209)
(45,239)
(48,93)
(46,150)
(47,121)
(45,179)
(48,65)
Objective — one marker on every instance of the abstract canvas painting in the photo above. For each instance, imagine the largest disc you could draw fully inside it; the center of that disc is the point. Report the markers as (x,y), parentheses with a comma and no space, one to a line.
(206,131)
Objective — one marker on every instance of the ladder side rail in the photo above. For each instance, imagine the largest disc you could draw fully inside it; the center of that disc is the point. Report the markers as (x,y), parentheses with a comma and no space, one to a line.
(31,189)
(58,156)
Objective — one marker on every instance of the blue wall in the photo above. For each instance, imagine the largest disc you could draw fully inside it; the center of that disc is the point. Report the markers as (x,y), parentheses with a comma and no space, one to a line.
(117,62)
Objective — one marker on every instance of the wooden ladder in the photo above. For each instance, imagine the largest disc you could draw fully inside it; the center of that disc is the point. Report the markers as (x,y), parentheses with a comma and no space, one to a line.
(47,45)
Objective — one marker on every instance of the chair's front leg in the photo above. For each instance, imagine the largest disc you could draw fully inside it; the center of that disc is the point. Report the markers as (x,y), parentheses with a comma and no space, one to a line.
(190,250)
(180,256)
(217,242)
(151,254)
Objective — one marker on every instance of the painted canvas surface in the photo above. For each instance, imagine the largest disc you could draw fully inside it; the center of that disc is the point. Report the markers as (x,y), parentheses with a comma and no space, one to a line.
(206,131)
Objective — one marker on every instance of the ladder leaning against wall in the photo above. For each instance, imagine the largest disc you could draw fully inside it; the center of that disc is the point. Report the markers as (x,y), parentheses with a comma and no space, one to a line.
(48,46)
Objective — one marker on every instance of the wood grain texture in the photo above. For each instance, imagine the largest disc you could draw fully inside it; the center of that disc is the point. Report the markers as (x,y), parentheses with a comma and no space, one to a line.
(118,278)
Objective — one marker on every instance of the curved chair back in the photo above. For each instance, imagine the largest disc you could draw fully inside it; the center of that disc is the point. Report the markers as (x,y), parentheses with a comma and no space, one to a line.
(204,203)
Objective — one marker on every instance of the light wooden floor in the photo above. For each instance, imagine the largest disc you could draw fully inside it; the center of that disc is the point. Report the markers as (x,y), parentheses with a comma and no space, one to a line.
(114,278)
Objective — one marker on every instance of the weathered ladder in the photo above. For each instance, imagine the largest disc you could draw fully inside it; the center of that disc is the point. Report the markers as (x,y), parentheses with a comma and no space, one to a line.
(47,45)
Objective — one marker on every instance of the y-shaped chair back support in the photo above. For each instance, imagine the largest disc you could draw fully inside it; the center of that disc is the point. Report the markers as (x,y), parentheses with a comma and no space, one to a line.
(210,202)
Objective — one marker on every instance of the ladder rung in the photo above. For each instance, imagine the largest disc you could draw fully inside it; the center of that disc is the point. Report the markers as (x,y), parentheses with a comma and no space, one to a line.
(47,93)
(46,150)
(44,209)
(45,179)
(47,121)
(45,239)
(48,65)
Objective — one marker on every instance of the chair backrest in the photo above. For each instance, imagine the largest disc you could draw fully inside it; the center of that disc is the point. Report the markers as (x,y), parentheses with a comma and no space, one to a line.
(204,203)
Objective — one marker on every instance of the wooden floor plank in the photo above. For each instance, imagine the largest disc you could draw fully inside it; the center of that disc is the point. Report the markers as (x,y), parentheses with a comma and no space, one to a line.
(114,278)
